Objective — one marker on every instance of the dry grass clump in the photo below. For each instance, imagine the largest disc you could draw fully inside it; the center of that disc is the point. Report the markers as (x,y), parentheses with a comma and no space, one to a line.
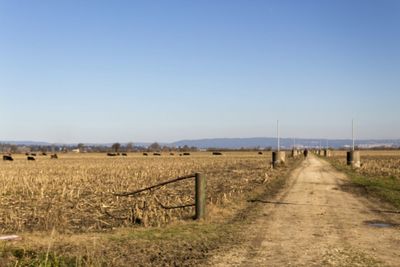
(74,193)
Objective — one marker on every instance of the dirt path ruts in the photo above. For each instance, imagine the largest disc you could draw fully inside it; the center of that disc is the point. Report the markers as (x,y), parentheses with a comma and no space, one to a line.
(315,223)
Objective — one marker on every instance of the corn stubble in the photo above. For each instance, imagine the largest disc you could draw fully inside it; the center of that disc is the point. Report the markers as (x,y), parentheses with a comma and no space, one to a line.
(75,193)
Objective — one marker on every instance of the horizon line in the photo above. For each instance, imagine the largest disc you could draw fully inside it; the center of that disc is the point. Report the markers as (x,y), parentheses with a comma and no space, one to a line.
(198,139)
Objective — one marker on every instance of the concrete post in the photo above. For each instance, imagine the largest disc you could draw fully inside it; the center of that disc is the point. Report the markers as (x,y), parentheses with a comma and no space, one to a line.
(327,153)
(353,159)
(278,157)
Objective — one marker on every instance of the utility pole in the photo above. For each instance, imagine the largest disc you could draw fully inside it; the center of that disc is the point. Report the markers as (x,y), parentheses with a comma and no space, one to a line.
(277,135)
(352,132)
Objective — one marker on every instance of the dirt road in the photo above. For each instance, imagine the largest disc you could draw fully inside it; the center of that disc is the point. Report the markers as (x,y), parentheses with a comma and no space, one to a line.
(315,222)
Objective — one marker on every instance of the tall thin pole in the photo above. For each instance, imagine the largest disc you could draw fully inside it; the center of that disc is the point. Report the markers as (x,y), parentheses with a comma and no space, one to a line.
(277,134)
(352,131)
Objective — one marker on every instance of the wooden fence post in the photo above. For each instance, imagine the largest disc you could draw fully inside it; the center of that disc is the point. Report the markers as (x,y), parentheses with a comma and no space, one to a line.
(200,197)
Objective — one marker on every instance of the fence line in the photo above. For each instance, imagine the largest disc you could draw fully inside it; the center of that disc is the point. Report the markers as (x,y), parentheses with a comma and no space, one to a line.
(176,207)
(200,193)
(125,194)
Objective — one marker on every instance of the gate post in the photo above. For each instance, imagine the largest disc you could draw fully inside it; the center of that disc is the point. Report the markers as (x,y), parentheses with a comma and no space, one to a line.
(200,196)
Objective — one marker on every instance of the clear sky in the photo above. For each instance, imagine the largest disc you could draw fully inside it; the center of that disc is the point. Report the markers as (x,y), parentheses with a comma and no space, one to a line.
(106,71)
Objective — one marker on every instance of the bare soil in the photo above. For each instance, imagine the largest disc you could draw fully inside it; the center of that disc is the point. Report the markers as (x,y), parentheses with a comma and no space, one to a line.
(317,221)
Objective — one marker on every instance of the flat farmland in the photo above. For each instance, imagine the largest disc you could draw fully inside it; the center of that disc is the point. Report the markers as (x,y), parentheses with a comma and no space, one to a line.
(74,193)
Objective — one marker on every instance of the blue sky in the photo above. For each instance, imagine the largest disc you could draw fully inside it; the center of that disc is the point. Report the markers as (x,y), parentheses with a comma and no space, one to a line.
(105,71)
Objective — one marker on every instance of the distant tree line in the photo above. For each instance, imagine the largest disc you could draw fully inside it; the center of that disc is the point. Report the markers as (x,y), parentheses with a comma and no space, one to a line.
(130,147)
(89,148)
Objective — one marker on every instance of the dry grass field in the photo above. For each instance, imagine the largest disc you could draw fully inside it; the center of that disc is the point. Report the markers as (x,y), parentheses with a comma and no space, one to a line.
(75,192)
(66,204)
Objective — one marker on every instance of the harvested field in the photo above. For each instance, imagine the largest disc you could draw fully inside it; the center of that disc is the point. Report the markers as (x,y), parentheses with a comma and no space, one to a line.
(375,163)
(74,193)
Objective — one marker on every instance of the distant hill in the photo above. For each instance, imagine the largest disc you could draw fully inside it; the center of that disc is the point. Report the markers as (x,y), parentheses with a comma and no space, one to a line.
(263,142)
(25,143)
(228,142)
(255,142)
